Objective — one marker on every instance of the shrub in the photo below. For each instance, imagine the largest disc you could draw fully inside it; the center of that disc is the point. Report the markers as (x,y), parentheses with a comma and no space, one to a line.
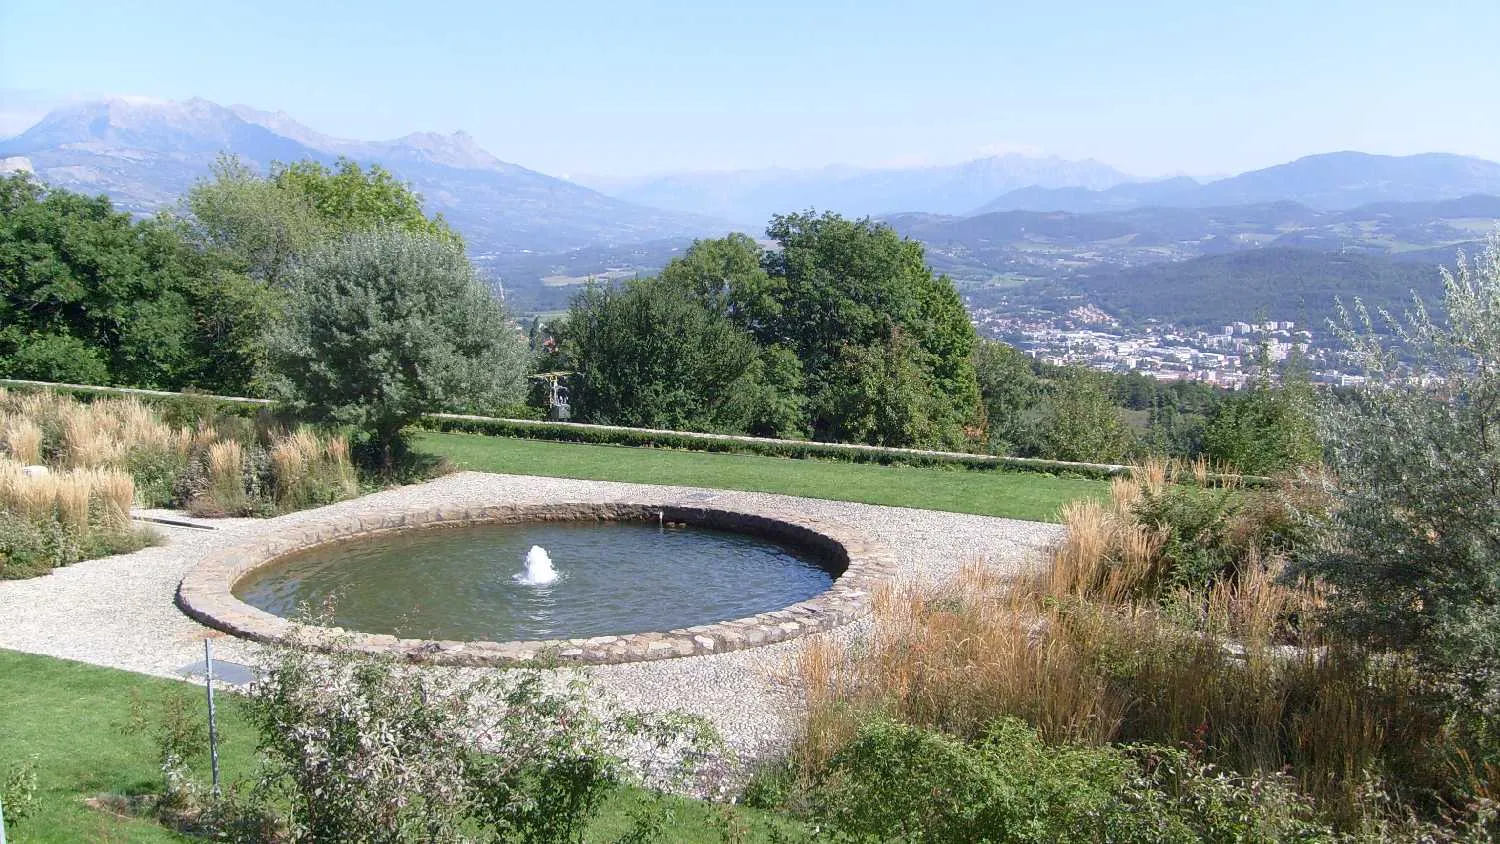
(1156,535)
(212,465)
(1270,428)
(58,518)
(1206,669)
(894,782)
(1415,476)
(363,749)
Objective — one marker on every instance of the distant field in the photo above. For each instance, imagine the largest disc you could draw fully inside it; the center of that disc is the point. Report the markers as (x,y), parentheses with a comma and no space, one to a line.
(1016,495)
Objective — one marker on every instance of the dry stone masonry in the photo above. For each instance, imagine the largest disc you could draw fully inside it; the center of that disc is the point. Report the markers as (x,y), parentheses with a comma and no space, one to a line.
(205,593)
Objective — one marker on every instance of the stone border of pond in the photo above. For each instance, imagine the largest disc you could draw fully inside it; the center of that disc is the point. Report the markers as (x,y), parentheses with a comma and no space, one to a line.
(206,592)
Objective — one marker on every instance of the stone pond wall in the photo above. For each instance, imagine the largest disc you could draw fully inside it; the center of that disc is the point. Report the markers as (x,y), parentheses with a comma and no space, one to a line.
(205,593)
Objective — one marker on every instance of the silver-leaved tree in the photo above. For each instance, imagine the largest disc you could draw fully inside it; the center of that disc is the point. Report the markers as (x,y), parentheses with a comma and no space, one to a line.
(1413,546)
(383,326)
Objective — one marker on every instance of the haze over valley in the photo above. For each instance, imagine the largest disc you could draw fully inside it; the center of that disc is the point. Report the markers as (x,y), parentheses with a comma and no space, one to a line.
(1073,261)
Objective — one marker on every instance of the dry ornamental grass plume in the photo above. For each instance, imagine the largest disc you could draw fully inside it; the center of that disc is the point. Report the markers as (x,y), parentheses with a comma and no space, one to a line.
(22,440)
(1102,647)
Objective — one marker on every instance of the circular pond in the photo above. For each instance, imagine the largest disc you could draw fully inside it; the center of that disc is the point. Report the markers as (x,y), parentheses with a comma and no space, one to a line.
(540,580)
(591,582)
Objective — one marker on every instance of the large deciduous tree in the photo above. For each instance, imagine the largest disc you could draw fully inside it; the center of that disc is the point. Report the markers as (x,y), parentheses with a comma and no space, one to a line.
(385,325)
(648,356)
(88,294)
(263,224)
(838,306)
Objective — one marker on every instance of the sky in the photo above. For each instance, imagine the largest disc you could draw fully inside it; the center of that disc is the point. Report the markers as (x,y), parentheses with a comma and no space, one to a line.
(629,87)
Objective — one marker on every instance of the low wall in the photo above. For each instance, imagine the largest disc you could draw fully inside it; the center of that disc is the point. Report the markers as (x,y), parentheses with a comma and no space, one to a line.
(206,592)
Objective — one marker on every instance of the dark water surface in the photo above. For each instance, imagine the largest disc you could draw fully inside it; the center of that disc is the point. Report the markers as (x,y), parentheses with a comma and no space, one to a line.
(614,578)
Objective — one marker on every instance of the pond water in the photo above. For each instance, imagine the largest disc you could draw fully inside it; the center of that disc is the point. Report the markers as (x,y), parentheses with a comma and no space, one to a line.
(487,582)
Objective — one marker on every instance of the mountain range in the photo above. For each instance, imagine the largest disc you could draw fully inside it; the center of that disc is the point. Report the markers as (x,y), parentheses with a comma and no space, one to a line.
(1330,182)
(750,197)
(146,153)
(991,223)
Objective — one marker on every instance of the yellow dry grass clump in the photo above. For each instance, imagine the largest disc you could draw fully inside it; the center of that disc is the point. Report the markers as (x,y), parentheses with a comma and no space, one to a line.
(1240,668)
(224,466)
(83,500)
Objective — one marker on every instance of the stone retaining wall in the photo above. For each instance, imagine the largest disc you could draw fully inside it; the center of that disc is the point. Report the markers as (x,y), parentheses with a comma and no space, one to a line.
(206,592)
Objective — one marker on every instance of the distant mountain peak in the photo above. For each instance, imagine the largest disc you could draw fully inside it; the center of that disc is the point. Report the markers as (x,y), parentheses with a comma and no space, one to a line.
(146,152)
(458,149)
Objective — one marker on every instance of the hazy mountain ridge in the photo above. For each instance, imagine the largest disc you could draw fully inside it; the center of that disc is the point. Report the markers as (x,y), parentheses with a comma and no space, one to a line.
(1329,182)
(1010,247)
(146,153)
(752,196)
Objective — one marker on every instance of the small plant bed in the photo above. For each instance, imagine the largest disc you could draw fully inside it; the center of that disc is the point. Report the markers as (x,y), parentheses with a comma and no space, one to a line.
(90,462)
(50,519)
(82,748)
(987,492)
(1161,681)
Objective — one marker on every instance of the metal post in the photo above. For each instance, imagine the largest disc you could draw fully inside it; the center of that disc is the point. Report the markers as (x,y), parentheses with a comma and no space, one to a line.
(213,724)
(2,819)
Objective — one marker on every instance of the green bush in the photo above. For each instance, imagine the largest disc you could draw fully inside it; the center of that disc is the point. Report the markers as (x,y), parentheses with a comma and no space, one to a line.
(1413,544)
(385,326)
(30,548)
(361,749)
(900,783)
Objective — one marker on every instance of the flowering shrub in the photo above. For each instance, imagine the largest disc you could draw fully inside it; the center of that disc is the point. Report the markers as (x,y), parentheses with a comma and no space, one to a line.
(364,749)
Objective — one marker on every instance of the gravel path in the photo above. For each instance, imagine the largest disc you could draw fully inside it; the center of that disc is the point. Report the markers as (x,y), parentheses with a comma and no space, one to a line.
(119,611)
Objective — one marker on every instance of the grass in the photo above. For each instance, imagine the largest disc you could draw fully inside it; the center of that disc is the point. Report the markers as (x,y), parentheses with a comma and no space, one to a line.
(1110,645)
(987,492)
(71,718)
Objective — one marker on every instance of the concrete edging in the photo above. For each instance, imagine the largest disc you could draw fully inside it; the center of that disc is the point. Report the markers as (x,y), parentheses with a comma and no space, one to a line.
(206,595)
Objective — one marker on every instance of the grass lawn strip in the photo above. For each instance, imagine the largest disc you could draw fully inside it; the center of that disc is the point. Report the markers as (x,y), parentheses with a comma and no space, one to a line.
(1016,495)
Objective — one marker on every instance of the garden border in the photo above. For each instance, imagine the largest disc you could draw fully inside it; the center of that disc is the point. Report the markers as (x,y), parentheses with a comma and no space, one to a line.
(206,595)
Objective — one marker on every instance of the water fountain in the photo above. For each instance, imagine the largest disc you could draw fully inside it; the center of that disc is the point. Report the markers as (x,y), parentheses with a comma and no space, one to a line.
(539,570)
(615,570)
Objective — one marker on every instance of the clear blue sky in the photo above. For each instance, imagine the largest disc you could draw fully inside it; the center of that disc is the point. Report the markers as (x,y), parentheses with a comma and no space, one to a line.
(630,87)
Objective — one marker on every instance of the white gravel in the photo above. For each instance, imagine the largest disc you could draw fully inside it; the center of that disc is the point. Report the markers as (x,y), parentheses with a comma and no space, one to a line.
(119,611)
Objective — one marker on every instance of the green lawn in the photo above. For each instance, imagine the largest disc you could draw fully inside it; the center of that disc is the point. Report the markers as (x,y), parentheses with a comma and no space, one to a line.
(987,492)
(71,717)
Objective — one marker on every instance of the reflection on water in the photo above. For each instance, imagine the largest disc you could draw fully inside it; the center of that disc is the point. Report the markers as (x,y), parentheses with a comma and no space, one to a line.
(609,579)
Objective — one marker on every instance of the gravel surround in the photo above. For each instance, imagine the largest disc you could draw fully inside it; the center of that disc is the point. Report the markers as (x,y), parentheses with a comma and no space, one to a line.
(120,611)
(206,592)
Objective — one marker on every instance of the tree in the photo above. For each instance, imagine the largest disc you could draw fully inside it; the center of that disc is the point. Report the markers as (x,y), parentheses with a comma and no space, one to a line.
(1079,420)
(384,326)
(727,276)
(264,224)
(1008,388)
(1271,427)
(647,356)
(879,394)
(88,293)
(259,226)
(842,283)
(348,198)
(1414,539)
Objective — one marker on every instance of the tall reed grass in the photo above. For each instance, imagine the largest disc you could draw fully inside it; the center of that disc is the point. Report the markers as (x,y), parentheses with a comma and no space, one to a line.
(1103,646)
(219,466)
(49,518)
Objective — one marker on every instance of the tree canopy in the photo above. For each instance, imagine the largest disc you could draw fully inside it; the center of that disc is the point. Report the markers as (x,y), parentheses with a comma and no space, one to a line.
(263,223)
(88,294)
(816,325)
(385,325)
